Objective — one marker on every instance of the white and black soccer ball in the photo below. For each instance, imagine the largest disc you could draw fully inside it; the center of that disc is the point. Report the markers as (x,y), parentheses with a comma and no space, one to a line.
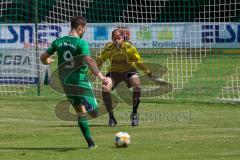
(122,139)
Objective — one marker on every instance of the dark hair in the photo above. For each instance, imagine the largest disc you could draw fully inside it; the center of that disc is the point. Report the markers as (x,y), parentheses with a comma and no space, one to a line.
(116,30)
(77,21)
(122,33)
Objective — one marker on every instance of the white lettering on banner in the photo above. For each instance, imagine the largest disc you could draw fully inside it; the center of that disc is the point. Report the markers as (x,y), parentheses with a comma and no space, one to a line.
(18,66)
(23,35)
(19,80)
(157,44)
(156,35)
(15,60)
(19,70)
(96,45)
(221,35)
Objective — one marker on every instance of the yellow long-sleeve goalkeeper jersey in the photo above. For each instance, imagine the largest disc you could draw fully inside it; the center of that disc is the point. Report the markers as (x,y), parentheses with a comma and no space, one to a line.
(122,59)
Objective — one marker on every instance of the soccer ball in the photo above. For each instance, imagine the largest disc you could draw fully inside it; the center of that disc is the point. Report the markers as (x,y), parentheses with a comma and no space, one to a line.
(122,139)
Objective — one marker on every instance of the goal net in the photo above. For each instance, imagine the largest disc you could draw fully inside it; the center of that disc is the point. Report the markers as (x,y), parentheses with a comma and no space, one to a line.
(191,44)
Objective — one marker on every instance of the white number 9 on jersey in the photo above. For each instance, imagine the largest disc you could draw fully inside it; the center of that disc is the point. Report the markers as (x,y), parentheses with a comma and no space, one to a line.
(68,57)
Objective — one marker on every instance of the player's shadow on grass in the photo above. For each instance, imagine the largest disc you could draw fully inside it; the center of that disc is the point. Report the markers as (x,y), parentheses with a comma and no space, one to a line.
(70,126)
(106,125)
(114,147)
(92,125)
(56,149)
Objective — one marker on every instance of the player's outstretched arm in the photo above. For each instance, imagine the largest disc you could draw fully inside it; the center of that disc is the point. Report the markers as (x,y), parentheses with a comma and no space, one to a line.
(153,77)
(144,68)
(94,68)
(107,83)
(46,58)
(99,63)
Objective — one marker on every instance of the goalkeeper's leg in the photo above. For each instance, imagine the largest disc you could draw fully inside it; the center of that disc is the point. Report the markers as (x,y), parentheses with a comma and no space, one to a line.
(108,104)
(107,99)
(135,83)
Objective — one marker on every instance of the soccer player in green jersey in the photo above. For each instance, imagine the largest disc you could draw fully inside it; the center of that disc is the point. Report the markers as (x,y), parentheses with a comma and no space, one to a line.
(124,62)
(73,61)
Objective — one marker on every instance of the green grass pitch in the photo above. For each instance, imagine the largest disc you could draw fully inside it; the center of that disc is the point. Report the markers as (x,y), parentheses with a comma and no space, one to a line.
(192,126)
(30,130)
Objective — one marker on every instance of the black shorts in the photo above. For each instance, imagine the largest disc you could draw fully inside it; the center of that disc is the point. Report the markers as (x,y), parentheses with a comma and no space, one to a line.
(118,77)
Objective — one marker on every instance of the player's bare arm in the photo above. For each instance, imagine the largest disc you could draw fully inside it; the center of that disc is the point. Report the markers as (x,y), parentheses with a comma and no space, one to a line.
(46,58)
(144,68)
(94,69)
(99,63)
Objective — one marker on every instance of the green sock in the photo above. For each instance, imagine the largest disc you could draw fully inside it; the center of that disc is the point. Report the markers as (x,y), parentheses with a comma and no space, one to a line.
(84,126)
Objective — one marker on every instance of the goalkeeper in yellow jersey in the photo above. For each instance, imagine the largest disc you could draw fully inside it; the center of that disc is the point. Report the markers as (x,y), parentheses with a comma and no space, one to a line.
(125,60)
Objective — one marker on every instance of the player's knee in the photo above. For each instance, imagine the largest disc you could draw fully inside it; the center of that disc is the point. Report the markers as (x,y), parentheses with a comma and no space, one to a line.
(106,89)
(137,93)
(106,95)
(82,117)
(93,114)
(137,88)
(136,84)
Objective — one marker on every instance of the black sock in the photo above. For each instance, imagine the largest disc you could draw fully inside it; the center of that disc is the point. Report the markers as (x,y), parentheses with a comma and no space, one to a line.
(135,106)
(111,115)
(108,104)
(90,142)
(136,99)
